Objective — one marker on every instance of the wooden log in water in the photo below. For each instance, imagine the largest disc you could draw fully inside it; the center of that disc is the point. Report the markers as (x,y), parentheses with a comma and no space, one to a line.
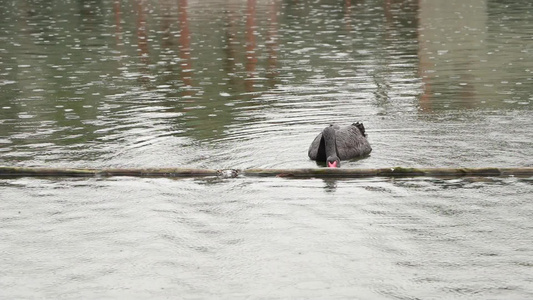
(390,172)
(66,172)
(300,173)
(162,172)
(45,172)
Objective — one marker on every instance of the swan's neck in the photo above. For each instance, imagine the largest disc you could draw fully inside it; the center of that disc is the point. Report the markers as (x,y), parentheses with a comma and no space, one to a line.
(330,142)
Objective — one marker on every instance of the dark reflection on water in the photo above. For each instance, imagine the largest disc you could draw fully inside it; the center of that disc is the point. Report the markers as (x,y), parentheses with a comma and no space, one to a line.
(249,83)
(239,84)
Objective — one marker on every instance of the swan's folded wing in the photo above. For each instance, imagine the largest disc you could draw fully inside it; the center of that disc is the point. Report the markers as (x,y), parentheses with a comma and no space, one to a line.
(345,144)
(315,145)
(351,143)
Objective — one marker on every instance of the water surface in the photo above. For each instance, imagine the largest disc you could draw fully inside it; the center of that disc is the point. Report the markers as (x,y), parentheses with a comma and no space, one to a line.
(267,238)
(248,84)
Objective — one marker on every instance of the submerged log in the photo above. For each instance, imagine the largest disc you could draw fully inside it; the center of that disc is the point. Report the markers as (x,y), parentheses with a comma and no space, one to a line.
(65,172)
(391,172)
(300,173)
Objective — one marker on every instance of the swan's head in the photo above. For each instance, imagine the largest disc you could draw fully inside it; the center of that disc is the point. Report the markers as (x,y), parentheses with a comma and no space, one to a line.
(333,162)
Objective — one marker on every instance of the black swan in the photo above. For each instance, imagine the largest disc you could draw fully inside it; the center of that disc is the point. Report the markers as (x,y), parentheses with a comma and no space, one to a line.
(335,143)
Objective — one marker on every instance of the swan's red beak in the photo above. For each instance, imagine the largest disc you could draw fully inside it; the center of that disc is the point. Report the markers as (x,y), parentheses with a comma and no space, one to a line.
(332,164)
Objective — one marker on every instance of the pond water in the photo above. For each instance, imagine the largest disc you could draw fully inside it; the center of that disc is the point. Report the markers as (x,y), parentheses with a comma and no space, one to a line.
(248,84)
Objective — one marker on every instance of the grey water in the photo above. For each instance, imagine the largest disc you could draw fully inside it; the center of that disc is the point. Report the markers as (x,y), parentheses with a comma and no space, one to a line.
(241,84)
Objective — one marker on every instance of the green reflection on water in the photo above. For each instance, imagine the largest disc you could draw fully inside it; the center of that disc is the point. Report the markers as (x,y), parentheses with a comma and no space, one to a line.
(86,72)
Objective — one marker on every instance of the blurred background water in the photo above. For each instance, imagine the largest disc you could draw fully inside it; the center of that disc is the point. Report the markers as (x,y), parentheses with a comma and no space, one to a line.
(238,84)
